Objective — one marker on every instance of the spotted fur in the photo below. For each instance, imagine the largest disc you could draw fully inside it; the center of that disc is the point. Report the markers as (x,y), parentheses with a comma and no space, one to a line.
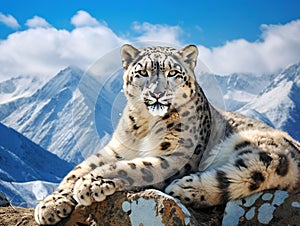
(169,137)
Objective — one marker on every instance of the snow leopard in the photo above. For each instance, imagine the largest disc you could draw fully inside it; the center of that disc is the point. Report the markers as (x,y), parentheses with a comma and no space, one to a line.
(171,138)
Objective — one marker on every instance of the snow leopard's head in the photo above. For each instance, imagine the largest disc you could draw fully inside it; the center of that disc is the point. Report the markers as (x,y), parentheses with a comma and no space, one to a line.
(159,77)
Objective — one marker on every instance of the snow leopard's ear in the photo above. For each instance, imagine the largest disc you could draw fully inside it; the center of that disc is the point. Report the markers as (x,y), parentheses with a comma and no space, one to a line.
(189,55)
(128,54)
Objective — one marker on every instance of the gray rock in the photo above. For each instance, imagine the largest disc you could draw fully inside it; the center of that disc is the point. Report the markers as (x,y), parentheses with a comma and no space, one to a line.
(264,208)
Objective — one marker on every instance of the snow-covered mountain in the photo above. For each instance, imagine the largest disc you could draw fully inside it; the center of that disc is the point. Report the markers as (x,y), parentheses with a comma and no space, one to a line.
(27,171)
(18,87)
(279,101)
(240,89)
(60,115)
(75,113)
(15,91)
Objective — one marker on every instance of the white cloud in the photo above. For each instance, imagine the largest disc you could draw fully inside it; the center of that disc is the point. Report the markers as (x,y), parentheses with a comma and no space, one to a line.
(45,50)
(279,46)
(9,21)
(36,22)
(158,32)
(84,19)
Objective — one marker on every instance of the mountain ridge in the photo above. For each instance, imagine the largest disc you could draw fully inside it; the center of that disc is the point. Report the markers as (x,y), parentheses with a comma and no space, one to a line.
(25,167)
(74,114)
(49,116)
(280,101)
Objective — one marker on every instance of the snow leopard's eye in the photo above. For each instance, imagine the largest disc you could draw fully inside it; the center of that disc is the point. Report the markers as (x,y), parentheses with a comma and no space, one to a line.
(143,73)
(173,73)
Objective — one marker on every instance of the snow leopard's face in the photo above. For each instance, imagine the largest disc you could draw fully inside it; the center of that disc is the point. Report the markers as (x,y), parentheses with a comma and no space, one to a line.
(159,77)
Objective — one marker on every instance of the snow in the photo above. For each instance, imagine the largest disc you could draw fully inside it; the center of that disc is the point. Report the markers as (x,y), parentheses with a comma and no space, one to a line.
(18,87)
(279,102)
(270,102)
(230,92)
(273,99)
(58,116)
(27,194)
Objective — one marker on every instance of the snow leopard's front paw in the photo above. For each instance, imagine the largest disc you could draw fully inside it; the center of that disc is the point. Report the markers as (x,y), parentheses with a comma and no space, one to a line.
(89,189)
(54,208)
(190,191)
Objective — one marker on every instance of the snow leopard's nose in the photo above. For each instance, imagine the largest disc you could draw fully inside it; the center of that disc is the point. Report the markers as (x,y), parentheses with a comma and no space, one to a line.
(156,95)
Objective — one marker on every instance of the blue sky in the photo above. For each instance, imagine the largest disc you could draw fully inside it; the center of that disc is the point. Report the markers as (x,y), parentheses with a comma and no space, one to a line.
(223,30)
(207,22)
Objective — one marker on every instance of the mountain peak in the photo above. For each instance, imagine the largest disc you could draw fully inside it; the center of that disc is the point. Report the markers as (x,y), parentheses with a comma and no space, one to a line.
(292,73)
(288,78)
(18,87)
(67,78)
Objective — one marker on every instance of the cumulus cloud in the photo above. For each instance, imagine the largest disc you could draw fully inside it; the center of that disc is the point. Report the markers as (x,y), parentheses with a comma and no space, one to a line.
(278,47)
(36,22)
(45,50)
(9,21)
(84,19)
(158,32)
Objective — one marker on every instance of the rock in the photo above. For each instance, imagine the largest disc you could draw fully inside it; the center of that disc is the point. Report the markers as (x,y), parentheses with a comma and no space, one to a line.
(150,207)
(264,208)
(3,200)
(17,216)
